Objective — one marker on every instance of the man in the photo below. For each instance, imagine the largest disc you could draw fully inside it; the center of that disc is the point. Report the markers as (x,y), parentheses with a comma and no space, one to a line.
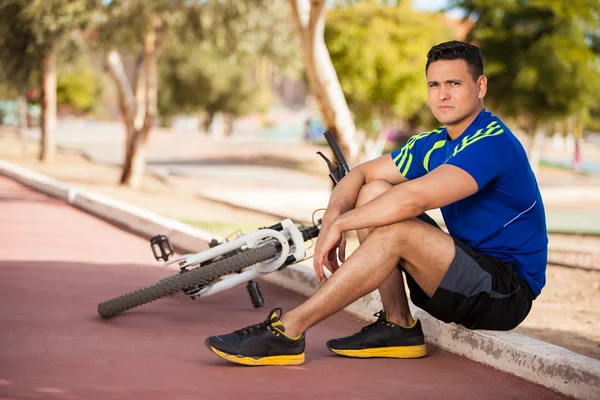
(483,275)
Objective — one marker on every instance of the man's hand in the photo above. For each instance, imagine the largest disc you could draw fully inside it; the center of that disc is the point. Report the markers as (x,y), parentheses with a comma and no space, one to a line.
(330,239)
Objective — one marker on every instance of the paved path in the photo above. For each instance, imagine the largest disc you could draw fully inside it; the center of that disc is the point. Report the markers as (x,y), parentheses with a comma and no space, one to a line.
(57,263)
(231,170)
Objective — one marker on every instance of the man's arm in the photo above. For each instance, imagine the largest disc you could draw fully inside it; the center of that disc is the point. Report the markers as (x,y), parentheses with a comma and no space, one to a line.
(442,186)
(344,195)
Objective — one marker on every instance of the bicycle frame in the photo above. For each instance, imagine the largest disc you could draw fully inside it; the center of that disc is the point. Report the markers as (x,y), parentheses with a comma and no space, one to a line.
(290,239)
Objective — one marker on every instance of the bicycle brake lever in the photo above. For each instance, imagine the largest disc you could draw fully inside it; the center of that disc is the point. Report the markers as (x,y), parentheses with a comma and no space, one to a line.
(334,173)
(331,169)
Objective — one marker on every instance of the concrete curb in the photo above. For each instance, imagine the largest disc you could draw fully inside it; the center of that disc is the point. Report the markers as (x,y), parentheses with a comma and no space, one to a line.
(135,219)
(542,363)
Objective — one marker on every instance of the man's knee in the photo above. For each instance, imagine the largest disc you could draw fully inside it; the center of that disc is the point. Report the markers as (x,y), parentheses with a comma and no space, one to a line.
(410,235)
(394,237)
(372,190)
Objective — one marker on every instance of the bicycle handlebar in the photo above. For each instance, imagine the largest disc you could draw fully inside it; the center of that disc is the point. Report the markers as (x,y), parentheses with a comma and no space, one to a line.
(341,168)
(337,152)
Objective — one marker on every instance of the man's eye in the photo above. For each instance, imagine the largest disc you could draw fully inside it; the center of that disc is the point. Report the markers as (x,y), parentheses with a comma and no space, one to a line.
(454,83)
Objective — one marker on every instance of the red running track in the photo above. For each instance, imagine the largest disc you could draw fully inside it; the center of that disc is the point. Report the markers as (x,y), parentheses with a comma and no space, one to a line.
(57,263)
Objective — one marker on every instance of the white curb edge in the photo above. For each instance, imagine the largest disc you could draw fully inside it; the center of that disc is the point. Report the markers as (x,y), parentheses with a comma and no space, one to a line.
(536,361)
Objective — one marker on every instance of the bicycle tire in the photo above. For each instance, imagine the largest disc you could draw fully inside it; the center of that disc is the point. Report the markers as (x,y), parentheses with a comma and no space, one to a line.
(186,280)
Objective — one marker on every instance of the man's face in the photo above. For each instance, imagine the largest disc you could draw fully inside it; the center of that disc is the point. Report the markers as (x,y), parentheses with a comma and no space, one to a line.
(453,94)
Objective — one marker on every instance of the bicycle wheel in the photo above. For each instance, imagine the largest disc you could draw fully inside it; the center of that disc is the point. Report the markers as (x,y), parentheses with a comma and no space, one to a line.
(197,276)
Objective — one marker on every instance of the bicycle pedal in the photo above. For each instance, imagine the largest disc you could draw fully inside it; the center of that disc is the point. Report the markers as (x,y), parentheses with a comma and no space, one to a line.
(256,295)
(161,247)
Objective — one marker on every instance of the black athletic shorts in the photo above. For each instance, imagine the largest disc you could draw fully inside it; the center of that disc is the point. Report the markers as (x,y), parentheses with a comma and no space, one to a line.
(478,291)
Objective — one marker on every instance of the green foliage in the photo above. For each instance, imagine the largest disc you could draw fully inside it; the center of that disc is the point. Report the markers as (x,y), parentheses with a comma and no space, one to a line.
(17,43)
(77,88)
(195,78)
(205,48)
(31,28)
(53,21)
(539,56)
(379,54)
(235,28)
(345,3)
(251,27)
(123,23)
(7,89)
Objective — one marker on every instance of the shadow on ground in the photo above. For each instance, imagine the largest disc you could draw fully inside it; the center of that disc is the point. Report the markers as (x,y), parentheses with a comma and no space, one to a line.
(250,160)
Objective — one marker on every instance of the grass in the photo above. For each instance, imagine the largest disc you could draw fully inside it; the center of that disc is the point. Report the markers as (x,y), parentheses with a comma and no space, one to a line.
(562,167)
(222,229)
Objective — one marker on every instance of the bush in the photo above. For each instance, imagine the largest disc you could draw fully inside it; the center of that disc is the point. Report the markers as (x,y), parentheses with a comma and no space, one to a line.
(77,89)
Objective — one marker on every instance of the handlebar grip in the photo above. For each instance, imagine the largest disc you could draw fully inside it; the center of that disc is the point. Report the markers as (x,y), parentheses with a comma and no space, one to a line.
(337,152)
(310,232)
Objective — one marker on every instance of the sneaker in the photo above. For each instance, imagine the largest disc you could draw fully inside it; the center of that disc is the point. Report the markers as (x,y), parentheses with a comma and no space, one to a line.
(382,338)
(262,344)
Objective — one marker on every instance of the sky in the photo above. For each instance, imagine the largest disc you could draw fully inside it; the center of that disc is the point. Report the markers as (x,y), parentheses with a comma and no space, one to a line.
(429,4)
(433,5)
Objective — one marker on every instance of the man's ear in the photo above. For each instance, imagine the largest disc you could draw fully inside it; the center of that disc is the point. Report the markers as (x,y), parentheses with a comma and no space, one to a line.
(481,86)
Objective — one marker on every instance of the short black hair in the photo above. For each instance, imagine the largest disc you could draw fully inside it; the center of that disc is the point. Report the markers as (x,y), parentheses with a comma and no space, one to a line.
(456,50)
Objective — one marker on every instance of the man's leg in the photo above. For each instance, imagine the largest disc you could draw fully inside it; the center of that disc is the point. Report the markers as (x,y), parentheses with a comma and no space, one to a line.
(392,292)
(425,252)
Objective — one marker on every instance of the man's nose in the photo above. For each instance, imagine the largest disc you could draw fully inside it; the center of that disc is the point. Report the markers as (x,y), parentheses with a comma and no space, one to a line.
(443,93)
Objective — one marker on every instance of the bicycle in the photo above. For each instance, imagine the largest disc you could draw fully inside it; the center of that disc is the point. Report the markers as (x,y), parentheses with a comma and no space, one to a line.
(229,264)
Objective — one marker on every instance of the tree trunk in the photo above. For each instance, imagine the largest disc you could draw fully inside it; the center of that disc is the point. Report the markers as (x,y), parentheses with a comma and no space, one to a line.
(217,126)
(309,16)
(48,103)
(140,91)
(23,124)
(135,162)
(578,134)
(265,68)
(372,148)
(138,122)
(22,107)
(127,102)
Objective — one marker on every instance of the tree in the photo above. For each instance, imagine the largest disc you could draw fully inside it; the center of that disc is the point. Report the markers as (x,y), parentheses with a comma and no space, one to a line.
(198,78)
(539,57)
(382,79)
(309,17)
(31,34)
(16,41)
(145,28)
(208,69)
(77,88)
(139,28)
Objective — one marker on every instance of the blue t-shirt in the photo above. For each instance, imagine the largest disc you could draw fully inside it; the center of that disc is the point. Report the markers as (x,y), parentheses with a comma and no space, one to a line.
(505,218)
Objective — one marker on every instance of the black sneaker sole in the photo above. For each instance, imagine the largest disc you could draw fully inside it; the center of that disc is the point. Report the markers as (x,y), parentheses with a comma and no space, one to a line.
(384,352)
(295,359)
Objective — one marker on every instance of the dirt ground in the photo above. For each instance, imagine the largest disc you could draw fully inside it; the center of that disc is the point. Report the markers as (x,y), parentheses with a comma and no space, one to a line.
(567,313)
